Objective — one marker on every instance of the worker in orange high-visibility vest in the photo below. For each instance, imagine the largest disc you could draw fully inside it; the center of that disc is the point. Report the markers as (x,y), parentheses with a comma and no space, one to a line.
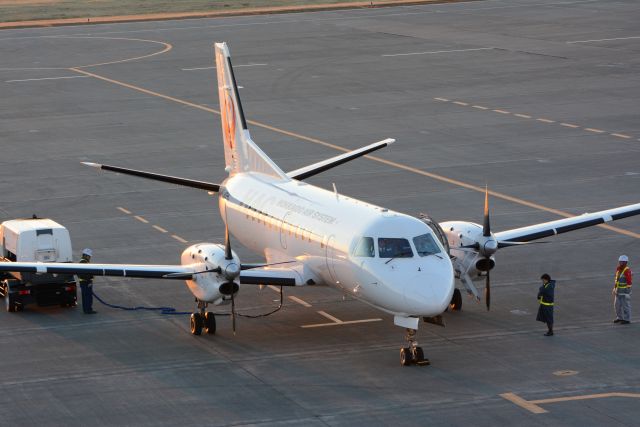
(622,291)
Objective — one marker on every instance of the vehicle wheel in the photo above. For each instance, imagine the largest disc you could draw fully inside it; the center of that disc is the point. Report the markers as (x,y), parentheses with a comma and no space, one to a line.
(405,356)
(10,303)
(210,323)
(196,324)
(456,300)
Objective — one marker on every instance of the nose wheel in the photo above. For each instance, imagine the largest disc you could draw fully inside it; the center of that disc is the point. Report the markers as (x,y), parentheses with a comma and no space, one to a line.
(412,354)
(202,319)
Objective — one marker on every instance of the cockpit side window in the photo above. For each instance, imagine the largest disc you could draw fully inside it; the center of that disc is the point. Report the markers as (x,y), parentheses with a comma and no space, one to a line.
(426,245)
(389,247)
(364,248)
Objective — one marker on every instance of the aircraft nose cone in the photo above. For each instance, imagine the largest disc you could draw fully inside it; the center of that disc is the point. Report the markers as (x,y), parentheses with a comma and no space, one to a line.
(429,292)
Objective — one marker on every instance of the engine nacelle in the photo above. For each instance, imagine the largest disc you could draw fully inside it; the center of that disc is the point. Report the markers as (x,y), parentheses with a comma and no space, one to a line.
(211,282)
(465,245)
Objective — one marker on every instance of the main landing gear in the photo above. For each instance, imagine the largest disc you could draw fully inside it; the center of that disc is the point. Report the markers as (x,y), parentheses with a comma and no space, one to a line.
(413,353)
(203,319)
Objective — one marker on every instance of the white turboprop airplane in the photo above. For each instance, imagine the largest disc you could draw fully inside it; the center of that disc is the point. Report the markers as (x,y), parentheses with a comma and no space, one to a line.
(402,265)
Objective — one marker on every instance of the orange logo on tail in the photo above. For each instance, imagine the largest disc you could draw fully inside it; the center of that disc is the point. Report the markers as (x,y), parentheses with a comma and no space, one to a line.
(229,121)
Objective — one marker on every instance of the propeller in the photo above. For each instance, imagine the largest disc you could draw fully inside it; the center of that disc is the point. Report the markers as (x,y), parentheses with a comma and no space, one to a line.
(230,273)
(489,247)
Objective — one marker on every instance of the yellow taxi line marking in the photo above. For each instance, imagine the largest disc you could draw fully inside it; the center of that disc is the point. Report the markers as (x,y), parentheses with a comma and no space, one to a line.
(525,404)
(128,212)
(502,111)
(545,120)
(299,301)
(594,130)
(141,219)
(370,157)
(328,316)
(523,116)
(347,322)
(441,99)
(569,125)
(460,103)
(160,229)
(621,135)
(274,288)
(479,107)
(178,238)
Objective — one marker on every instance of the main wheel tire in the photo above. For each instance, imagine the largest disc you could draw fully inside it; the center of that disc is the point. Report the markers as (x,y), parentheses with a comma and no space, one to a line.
(405,356)
(419,354)
(210,323)
(196,324)
(456,301)
(10,303)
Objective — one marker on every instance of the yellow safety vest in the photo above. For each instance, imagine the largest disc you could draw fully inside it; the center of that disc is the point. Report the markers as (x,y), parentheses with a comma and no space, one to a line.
(542,301)
(621,281)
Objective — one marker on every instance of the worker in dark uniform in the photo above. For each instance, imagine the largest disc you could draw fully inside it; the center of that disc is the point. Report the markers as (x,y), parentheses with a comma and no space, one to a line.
(622,291)
(86,284)
(545,298)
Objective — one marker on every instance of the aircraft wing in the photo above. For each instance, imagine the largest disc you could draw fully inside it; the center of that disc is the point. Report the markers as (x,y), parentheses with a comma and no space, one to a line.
(118,270)
(271,276)
(324,165)
(551,228)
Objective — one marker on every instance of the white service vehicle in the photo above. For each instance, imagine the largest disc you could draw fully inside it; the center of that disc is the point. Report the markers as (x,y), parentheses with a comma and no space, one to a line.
(36,240)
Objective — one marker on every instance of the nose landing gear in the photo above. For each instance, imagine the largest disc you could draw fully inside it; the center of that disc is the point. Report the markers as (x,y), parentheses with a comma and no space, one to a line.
(413,353)
(203,319)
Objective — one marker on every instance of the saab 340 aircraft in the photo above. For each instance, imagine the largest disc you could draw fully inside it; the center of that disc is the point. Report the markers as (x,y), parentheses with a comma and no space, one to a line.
(400,264)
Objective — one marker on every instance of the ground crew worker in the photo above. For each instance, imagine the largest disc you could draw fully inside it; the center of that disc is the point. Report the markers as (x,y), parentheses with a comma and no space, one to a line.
(86,284)
(545,298)
(622,291)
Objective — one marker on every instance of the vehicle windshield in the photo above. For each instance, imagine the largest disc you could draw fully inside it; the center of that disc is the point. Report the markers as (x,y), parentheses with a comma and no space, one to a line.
(426,245)
(389,247)
(364,248)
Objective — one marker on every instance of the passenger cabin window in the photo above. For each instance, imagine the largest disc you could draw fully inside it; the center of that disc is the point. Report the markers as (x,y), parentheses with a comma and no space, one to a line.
(426,245)
(364,248)
(394,248)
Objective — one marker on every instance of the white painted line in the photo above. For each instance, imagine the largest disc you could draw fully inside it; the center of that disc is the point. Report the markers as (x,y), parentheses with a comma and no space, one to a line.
(524,116)
(348,322)
(45,78)
(274,288)
(128,212)
(546,120)
(330,317)
(569,125)
(604,40)
(502,111)
(141,219)
(160,229)
(438,51)
(525,404)
(299,301)
(213,68)
(621,135)
(479,107)
(178,238)
(442,99)
(460,103)
(594,130)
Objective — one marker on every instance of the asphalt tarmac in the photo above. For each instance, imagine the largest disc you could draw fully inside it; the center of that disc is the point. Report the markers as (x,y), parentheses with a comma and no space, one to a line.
(537,100)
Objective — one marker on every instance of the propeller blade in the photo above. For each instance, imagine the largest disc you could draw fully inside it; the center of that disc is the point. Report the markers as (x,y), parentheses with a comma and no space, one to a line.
(487,291)
(233,314)
(227,241)
(486,226)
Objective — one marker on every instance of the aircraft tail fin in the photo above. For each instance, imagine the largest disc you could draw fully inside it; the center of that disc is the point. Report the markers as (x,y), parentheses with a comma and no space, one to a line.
(240,152)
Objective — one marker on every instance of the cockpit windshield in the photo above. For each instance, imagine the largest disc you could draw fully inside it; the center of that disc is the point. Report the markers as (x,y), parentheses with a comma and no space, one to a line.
(365,248)
(426,245)
(394,248)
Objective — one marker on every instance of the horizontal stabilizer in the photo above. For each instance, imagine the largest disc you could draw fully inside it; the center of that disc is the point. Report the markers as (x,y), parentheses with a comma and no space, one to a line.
(202,185)
(319,167)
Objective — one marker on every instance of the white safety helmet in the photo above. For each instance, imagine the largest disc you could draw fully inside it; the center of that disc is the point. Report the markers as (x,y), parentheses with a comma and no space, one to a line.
(623,258)
(87,252)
